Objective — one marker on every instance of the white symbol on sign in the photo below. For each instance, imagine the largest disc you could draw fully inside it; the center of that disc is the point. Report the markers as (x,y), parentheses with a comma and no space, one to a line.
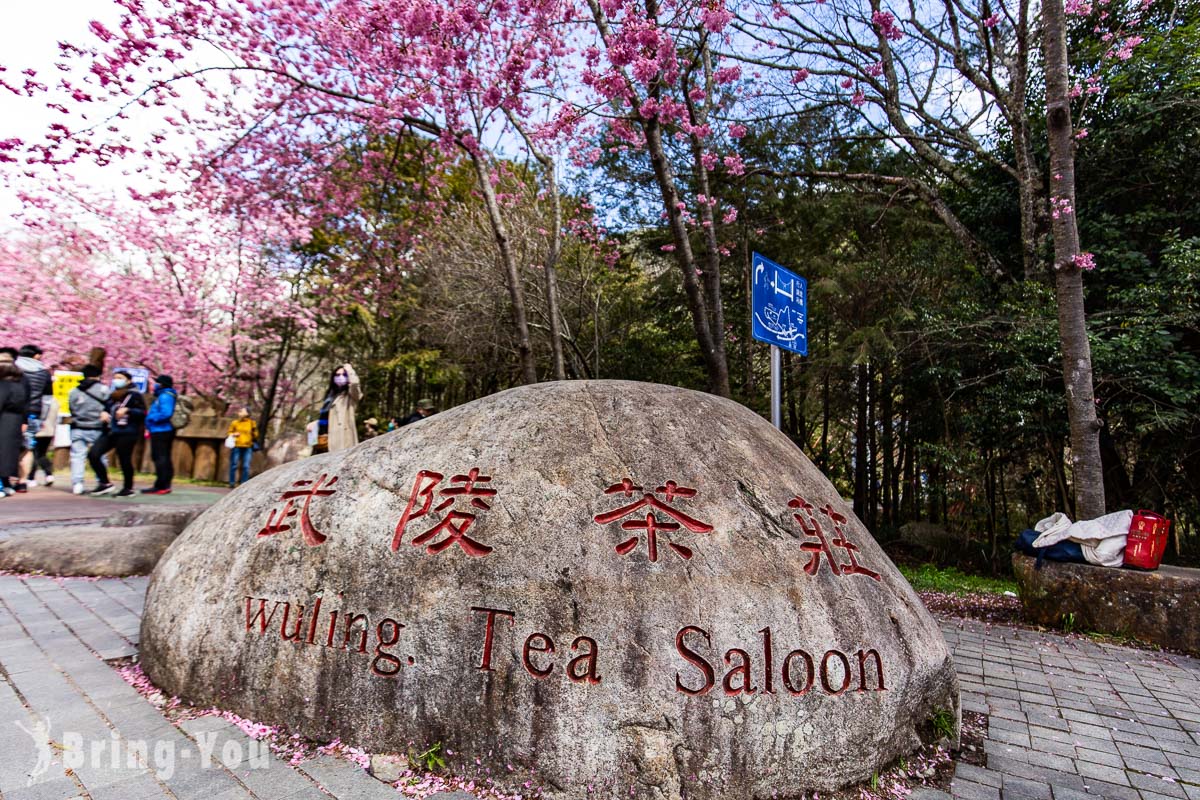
(780,321)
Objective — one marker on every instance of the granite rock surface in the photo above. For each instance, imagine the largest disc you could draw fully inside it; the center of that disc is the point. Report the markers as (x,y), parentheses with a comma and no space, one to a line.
(605,588)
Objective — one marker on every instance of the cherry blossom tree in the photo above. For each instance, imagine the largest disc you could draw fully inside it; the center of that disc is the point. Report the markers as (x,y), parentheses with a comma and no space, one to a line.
(655,75)
(188,299)
(289,87)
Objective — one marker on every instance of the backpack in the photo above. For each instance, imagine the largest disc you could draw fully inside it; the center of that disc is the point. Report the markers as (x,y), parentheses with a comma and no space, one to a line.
(182,414)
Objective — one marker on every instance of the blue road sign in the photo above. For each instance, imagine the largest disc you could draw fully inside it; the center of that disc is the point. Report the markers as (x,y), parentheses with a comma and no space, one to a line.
(141,377)
(779,299)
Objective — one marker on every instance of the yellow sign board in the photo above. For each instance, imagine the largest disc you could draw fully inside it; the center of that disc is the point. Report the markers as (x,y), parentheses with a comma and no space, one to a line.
(64,382)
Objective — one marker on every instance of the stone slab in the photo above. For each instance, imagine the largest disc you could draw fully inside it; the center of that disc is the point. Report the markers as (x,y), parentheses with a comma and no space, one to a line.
(87,550)
(1160,607)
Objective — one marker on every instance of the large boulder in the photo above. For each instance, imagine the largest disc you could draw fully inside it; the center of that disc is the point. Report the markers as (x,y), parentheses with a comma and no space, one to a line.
(1161,607)
(87,550)
(611,589)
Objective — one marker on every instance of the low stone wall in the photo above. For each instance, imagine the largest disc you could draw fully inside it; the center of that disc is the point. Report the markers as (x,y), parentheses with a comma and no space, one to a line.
(129,542)
(1160,607)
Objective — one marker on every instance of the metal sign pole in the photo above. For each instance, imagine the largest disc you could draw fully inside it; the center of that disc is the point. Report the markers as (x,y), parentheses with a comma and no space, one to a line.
(776,388)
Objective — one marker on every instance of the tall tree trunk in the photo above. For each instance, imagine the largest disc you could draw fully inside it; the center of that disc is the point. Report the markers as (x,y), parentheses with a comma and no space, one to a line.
(860,446)
(712,352)
(1004,499)
(886,444)
(935,490)
(872,451)
(989,485)
(825,409)
(1087,470)
(553,250)
(908,506)
(714,357)
(749,387)
(516,292)
(550,268)
(268,406)
(711,267)
(1029,183)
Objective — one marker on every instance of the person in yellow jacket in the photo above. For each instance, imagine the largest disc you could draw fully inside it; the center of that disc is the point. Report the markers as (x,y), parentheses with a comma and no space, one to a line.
(243,433)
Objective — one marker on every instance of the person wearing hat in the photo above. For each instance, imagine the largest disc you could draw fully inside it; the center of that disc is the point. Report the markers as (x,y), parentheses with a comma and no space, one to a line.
(370,428)
(162,434)
(425,408)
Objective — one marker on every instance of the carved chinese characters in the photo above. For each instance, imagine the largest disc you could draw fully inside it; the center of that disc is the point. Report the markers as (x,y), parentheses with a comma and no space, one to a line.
(822,546)
(650,522)
(452,528)
(648,516)
(277,520)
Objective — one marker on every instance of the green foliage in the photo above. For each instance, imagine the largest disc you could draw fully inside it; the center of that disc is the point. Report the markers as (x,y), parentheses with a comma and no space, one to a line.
(929,577)
(943,723)
(429,761)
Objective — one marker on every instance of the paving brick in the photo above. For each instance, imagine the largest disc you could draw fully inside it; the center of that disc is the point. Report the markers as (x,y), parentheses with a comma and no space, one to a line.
(1156,786)
(344,779)
(1099,757)
(1023,787)
(925,793)
(50,790)
(1101,772)
(974,774)
(1112,791)
(966,790)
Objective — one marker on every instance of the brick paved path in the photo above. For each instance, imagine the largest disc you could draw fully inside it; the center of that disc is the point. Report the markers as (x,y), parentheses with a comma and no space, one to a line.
(1067,718)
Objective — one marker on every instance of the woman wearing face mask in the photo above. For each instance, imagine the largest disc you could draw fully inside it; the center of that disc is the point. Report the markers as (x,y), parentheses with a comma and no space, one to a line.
(336,428)
(124,416)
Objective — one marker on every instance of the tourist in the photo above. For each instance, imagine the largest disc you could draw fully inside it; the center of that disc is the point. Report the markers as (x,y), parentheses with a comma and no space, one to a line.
(85,404)
(162,434)
(9,355)
(336,428)
(370,428)
(36,379)
(425,408)
(124,417)
(244,432)
(13,405)
(44,438)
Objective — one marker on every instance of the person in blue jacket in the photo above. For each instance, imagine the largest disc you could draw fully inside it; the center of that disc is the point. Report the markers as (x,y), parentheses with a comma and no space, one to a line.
(162,434)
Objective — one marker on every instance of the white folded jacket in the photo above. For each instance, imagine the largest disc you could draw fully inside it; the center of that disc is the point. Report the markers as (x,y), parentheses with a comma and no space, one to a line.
(1102,539)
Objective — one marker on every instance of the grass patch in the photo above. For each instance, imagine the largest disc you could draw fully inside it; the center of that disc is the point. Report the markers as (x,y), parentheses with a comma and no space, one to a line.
(930,578)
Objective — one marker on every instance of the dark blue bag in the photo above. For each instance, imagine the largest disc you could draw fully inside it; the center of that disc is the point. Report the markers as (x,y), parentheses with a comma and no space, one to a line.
(1071,552)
